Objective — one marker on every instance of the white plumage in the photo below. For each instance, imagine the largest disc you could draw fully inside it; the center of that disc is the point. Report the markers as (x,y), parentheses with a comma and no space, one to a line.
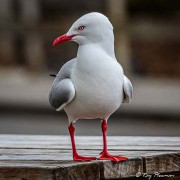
(93,84)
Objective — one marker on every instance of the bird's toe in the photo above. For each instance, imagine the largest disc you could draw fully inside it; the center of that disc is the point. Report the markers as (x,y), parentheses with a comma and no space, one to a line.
(107,156)
(83,158)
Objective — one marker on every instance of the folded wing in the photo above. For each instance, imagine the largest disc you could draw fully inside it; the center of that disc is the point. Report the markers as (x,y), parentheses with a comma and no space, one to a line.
(128,90)
(62,91)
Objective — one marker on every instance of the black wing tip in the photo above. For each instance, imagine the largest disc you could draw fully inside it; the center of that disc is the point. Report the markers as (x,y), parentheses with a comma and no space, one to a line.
(52,75)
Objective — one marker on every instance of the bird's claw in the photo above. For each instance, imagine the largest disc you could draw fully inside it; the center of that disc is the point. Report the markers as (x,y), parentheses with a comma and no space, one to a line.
(83,158)
(107,156)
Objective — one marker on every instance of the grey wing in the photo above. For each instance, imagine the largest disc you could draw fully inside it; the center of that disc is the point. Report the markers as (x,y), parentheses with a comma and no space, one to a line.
(128,90)
(62,91)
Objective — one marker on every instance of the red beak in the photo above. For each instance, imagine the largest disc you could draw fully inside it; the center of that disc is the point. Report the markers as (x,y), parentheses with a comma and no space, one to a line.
(62,39)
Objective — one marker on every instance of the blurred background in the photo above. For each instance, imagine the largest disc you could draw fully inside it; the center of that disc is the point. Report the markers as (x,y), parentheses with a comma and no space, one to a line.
(147,41)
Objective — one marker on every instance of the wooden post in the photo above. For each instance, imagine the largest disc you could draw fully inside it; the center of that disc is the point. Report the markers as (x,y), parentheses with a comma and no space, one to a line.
(30,16)
(30,12)
(34,52)
(118,16)
(7,52)
(6,12)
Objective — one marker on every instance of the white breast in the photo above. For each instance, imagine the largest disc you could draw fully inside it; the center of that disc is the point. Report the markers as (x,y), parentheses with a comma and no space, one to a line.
(98,81)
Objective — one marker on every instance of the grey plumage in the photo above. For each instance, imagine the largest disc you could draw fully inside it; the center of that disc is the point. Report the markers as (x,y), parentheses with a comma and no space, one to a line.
(66,69)
(62,91)
(128,90)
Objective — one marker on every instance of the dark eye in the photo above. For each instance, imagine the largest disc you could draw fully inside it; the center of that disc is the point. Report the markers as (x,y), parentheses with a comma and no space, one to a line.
(80,28)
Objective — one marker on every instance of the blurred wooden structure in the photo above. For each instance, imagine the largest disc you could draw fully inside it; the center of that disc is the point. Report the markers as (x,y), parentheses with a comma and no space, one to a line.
(117,11)
(146,33)
(49,157)
(7,50)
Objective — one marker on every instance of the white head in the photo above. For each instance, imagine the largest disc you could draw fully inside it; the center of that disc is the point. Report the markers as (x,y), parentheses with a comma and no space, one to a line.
(90,28)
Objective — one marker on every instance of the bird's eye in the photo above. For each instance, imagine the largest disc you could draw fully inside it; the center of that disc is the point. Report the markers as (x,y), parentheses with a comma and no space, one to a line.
(80,28)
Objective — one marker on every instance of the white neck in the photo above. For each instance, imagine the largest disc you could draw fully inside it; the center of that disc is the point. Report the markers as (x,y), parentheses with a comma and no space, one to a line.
(104,40)
(107,43)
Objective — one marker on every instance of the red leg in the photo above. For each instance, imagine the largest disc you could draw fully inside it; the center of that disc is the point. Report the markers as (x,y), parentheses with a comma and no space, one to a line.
(76,156)
(104,155)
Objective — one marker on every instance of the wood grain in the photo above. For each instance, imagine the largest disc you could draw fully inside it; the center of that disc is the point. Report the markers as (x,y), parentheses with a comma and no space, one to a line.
(33,157)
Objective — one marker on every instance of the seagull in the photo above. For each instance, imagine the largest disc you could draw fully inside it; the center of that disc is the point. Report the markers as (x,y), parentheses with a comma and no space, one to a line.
(93,84)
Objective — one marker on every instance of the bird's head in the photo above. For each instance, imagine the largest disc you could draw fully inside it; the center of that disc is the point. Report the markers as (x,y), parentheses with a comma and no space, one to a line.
(90,28)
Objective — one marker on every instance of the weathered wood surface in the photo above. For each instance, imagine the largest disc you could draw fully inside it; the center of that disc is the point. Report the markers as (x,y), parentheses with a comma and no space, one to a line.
(49,157)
